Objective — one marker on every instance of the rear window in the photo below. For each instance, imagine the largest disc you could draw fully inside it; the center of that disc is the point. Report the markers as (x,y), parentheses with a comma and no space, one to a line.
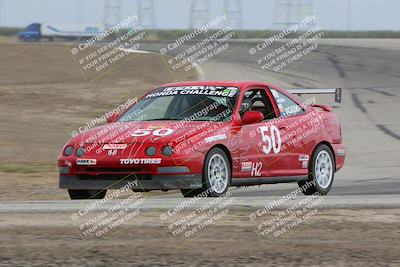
(287,107)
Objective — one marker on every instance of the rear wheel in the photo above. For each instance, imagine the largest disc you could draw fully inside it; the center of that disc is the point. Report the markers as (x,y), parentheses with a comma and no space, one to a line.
(321,173)
(87,194)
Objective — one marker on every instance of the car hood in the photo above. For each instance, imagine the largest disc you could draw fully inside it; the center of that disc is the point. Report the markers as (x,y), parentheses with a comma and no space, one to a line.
(144,131)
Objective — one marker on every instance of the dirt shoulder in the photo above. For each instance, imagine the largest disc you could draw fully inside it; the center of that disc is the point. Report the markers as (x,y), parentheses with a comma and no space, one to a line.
(44,97)
(343,237)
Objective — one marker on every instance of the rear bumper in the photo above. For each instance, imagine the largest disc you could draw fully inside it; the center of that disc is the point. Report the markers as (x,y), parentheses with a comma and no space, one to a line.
(340,155)
(160,182)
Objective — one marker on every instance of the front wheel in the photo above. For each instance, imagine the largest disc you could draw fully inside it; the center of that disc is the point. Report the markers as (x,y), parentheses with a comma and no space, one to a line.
(87,194)
(321,174)
(216,173)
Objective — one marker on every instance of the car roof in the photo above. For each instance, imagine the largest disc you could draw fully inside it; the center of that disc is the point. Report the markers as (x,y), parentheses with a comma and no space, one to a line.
(239,84)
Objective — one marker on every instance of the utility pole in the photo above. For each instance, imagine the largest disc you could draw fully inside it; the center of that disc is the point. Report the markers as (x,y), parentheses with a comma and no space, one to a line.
(290,12)
(349,6)
(146,16)
(80,11)
(112,13)
(0,12)
(199,13)
(233,12)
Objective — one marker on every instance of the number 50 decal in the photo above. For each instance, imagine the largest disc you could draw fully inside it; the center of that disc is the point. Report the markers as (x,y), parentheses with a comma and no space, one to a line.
(273,141)
(159,132)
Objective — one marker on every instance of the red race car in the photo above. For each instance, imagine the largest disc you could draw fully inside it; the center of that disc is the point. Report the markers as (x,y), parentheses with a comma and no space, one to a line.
(203,137)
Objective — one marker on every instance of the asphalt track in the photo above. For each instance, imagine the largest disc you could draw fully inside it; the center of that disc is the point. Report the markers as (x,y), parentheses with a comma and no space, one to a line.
(369,75)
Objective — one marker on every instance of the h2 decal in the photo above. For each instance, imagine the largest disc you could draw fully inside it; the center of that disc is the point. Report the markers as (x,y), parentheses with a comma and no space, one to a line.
(273,140)
(112,152)
(256,168)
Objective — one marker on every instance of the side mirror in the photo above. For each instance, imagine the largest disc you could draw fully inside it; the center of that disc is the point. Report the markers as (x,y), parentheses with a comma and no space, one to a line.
(112,118)
(250,117)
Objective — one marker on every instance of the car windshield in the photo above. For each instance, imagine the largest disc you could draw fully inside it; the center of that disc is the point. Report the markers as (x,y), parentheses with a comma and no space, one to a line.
(189,103)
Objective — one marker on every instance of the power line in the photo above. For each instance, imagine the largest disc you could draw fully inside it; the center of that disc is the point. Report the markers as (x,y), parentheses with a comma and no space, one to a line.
(349,15)
(112,13)
(233,12)
(290,12)
(199,13)
(80,12)
(146,16)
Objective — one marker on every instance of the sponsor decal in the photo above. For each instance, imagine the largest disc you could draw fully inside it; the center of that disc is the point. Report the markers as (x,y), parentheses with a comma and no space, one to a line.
(86,162)
(304,161)
(304,157)
(195,90)
(304,164)
(246,166)
(281,109)
(280,100)
(275,93)
(341,152)
(136,161)
(215,138)
(155,127)
(114,146)
(68,163)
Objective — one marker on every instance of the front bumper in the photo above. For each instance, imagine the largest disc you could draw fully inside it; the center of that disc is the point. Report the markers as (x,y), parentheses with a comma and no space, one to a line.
(147,182)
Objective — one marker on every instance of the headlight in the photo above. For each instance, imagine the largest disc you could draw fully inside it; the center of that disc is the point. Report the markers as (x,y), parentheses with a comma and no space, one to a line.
(68,151)
(80,152)
(167,151)
(151,151)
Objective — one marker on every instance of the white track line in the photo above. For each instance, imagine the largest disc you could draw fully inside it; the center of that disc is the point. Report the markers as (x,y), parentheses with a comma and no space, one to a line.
(135,51)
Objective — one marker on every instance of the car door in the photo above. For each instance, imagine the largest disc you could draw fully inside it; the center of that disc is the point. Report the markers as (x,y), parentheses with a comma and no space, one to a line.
(296,135)
(262,154)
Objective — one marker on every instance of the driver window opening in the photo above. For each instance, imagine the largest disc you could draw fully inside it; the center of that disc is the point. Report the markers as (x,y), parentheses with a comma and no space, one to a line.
(257,100)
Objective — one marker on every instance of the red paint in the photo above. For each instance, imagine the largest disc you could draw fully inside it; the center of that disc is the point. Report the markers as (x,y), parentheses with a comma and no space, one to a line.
(246,139)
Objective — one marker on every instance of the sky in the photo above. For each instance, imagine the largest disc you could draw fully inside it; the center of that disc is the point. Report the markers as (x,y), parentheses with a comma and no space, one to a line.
(175,14)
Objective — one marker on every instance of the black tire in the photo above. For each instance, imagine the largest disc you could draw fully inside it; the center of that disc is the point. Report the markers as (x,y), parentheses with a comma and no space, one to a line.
(87,194)
(312,185)
(191,192)
(206,178)
(207,187)
(141,190)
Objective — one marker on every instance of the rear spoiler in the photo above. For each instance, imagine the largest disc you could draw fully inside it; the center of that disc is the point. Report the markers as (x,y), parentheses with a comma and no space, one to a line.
(301,91)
